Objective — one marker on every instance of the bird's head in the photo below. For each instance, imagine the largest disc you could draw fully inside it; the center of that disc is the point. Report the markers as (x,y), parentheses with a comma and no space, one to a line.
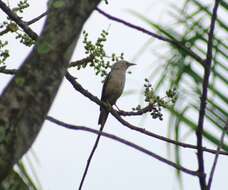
(122,65)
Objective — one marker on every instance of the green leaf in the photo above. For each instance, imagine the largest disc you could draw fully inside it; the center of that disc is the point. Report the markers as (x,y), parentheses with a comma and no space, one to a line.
(189,123)
(26,175)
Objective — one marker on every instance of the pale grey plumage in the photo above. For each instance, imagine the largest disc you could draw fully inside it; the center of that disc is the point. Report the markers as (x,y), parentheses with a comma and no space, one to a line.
(113,87)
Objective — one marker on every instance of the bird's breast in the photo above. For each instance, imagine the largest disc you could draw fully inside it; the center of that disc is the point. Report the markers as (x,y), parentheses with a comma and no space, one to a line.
(115,86)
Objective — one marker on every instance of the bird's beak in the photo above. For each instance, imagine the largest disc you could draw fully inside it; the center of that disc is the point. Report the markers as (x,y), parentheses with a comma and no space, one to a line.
(131,64)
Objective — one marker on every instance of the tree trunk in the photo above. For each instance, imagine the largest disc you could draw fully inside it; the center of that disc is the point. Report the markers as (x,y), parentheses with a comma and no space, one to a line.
(27,98)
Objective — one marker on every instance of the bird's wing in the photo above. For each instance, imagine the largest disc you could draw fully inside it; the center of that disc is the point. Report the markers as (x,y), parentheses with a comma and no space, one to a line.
(103,113)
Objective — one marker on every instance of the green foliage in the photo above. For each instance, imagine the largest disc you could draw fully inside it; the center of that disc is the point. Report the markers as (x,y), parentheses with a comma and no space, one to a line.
(196,34)
(157,102)
(10,26)
(25,39)
(101,61)
(21,6)
(4,53)
(26,176)
(184,73)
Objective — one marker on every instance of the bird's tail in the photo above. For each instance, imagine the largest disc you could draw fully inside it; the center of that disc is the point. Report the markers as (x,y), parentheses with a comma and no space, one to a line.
(103,117)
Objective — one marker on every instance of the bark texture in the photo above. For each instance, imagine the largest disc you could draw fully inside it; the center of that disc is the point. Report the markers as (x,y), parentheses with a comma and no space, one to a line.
(27,98)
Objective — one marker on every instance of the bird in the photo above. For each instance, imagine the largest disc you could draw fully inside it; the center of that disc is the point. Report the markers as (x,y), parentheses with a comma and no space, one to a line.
(113,87)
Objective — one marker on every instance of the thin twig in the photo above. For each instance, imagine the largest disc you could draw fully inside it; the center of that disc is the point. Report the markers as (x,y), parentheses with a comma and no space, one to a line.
(207,69)
(81,62)
(27,23)
(141,111)
(123,141)
(7,71)
(139,28)
(93,98)
(225,130)
(160,37)
(4,31)
(18,20)
(37,18)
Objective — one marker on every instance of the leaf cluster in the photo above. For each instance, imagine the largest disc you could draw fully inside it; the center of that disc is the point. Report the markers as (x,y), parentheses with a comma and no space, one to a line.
(101,62)
(156,102)
(4,53)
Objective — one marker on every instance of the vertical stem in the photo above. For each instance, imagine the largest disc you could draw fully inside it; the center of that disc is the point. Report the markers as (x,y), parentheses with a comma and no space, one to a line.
(207,69)
(216,156)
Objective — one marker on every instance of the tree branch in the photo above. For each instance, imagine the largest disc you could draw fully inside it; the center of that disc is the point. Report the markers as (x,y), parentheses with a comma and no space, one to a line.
(126,113)
(207,69)
(122,112)
(96,100)
(27,23)
(7,71)
(37,18)
(81,62)
(4,31)
(159,37)
(17,19)
(141,111)
(123,141)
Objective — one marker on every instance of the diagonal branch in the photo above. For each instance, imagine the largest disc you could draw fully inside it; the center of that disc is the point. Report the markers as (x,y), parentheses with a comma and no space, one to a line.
(207,69)
(27,22)
(4,70)
(37,18)
(93,98)
(139,28)
(80,62)
(123,141)
(160,37)
(18,20)
(4,31)
(79,88)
